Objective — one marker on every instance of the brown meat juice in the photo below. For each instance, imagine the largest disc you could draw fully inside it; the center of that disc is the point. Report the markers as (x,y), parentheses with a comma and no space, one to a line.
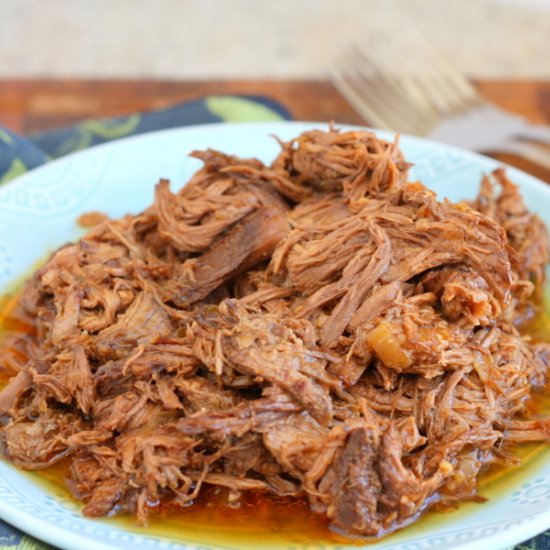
(260,521)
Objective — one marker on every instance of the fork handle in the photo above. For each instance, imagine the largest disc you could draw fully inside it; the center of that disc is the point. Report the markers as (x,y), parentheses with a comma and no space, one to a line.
(535,132)
(534,153)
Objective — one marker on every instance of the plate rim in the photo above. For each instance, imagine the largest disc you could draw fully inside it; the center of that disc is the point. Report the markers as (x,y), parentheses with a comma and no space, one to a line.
(385,134)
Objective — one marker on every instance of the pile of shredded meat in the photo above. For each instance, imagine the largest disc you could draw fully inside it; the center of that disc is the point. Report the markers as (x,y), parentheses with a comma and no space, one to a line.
(322,328)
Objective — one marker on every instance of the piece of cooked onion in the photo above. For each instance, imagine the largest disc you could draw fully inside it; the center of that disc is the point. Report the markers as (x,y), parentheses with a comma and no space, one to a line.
(387,347)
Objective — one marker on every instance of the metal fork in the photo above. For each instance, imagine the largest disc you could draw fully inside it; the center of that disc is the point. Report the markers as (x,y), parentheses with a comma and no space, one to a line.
(400,82)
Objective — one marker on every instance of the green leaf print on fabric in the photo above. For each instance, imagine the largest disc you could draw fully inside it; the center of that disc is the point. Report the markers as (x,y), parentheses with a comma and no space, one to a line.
(17,168)
(5,137)
(105,129)
(239,109)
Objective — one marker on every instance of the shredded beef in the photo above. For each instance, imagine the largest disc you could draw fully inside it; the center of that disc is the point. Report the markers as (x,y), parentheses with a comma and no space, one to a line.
(321,327)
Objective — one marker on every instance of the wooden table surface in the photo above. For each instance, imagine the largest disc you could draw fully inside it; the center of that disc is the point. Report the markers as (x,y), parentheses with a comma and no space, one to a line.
(33,105)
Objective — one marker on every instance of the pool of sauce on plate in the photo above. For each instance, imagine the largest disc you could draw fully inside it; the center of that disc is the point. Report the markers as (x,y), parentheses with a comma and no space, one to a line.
(271,522)
(258,522)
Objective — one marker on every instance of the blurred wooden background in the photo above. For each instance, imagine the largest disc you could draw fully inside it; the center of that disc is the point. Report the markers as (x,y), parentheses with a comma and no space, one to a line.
(33,105)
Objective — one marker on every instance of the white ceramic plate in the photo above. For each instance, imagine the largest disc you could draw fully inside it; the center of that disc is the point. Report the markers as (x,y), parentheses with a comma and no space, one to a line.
(37,214)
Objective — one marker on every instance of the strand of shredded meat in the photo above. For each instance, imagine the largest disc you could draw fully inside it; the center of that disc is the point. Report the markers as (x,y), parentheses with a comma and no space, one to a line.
(321,327)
